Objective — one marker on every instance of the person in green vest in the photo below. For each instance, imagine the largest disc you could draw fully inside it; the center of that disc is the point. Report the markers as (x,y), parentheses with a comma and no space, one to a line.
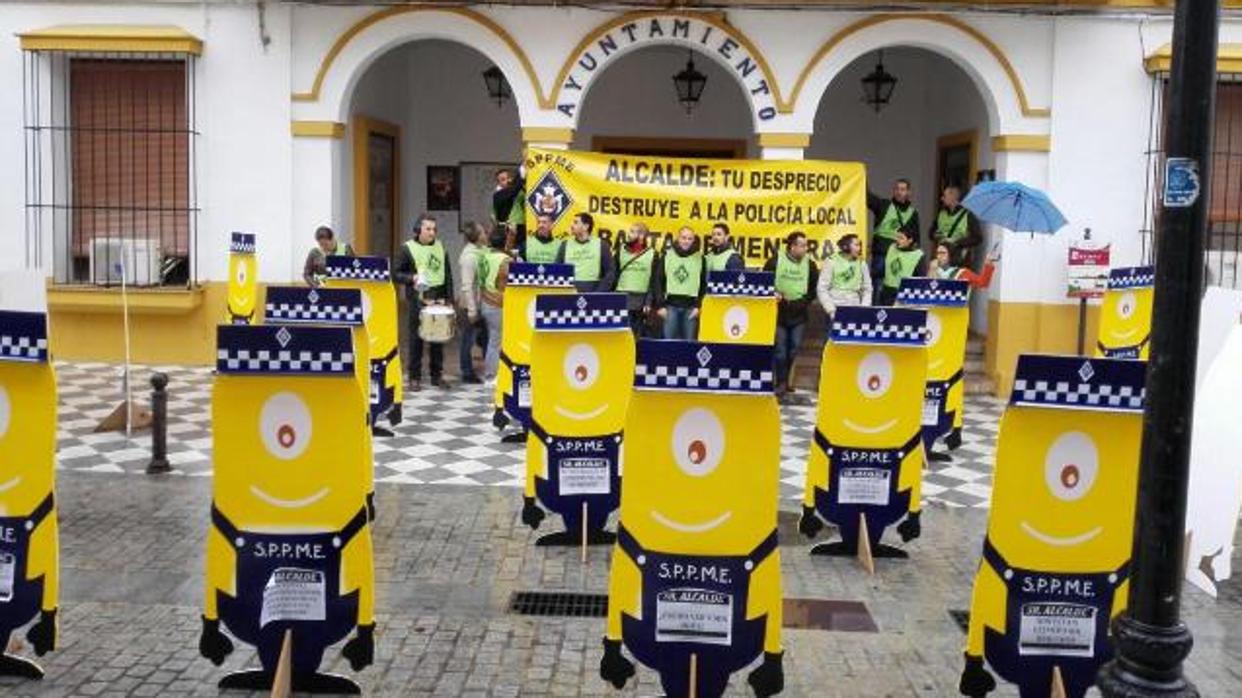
(493,271)
(956,227)
(846,280)
(509,205)
(593,264)
(542,247)
(635,263)
(797,277)
(315,268)
(891,215)
(422,268)
(680,280)
(904,259)
(721,255)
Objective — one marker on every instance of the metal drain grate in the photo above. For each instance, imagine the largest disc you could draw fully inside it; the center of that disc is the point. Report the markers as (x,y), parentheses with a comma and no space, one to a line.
(571,604)
(961,617)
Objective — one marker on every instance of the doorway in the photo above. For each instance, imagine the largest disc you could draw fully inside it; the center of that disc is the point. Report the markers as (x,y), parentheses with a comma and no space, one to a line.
(376,175)
(955,161)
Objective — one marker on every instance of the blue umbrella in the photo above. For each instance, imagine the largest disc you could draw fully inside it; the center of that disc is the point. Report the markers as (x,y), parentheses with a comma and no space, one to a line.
(1014,206)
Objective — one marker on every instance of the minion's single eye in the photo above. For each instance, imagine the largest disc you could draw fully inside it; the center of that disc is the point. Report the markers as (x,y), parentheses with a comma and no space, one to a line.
(6,411)
(1126,305)
(242,274)
(875,374)
(1070,466)
(736,322)
(698,442)
(933,329)
(285,426)
(581,366)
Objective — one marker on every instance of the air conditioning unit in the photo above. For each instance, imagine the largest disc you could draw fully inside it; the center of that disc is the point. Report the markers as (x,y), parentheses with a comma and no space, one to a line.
(141,259)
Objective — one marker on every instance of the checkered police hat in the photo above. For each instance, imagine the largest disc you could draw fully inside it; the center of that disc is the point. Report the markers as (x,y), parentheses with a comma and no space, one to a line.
(23,336)
(284,350)
(242,243)
(952,293)
(528,274)
(702,367)
(760,284)
(1131,277)
(857,324)
(364,268)
(583,312)
(323,306)
(1076,383)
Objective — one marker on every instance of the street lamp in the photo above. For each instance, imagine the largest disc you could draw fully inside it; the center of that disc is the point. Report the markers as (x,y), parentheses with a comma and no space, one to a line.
(878,85)
(689,83)
(497,86)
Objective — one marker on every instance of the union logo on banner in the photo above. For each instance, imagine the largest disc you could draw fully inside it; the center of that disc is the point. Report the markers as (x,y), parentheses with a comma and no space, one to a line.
(549,197)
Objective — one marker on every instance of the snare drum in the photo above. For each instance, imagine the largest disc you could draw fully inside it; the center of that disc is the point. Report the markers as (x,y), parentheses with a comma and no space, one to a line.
(436,323)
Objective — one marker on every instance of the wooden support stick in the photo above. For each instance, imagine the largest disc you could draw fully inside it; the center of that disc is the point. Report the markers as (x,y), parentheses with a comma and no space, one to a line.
(864,545)
(584,532)
(282,682)
(694,675)
(1058,685)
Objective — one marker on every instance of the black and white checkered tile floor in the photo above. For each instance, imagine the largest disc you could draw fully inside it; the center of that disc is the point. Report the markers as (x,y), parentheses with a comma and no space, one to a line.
(447,436)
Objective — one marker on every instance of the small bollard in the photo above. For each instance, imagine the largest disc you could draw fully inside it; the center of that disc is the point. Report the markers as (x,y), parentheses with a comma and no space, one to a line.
(159,426)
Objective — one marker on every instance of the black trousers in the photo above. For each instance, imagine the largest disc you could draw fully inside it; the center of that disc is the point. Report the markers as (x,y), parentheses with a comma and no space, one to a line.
(416,348)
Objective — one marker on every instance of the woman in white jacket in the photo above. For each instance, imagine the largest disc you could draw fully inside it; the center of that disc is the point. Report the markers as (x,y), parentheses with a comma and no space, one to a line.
(845,280)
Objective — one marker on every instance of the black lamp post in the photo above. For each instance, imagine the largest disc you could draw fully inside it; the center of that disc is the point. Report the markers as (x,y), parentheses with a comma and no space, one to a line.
(497,86)
(689,83)
(878,86)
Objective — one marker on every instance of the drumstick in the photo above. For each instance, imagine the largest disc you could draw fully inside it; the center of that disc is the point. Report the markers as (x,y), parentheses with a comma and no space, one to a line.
(694,675)
(584,532)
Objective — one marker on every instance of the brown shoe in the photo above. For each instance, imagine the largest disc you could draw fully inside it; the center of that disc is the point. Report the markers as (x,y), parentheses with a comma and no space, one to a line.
(415,386)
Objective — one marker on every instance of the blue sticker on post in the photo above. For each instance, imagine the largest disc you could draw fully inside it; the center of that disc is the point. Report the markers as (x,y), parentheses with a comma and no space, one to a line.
(1181,182)
(582,312)
(322,306)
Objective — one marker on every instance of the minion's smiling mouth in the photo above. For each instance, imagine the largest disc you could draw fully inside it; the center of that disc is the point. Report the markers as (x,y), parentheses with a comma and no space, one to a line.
(855,426)
(690,528)
(289,503)
(933,365)
(1124,335)
(524,347)
(6,486)
(580,416)
(1063,542)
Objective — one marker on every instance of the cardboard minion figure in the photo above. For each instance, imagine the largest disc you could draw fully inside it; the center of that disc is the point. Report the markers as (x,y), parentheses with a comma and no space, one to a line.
(947,302)
(243,279)
(1125,317)
(289,556)
(29,548)
(517,328)
(695,587)
(740,307)
(582,362)
(866,460)
(1056,558)
(379,303)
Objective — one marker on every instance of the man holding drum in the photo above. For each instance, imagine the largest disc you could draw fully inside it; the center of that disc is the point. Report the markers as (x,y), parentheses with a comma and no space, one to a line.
(422,267)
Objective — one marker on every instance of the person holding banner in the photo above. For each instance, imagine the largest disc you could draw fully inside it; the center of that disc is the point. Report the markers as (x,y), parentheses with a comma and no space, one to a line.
(721,255)
(493,270)
(848,281)
(679,285)
(903,260)
(423,269)
(636,261)
(956,227)
(796,276)
(315,268)
(594,270)
(891,215)
(508,206)
(540,248)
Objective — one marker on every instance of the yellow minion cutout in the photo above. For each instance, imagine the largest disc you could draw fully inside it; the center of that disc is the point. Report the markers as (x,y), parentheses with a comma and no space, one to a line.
(695,586)
(1056,558)
(582,361)
(947,302)
(523,284)
(29,547)
(866,456)
(379,304)
(739,308)
(289,548)
(243,279)
(299,305)
(1125,318)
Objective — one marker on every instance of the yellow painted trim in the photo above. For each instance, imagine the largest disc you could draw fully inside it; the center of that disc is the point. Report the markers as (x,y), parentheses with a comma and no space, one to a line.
(142,301)
(363,127)
(1021,142)
(547,134)
(969,138)
(127,38)
(995,50)
(317,129)
(784,140)
(1228,59)
(376,17)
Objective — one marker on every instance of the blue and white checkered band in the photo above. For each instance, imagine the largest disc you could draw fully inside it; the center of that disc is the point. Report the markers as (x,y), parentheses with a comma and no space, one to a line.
(242,242)
(284,350)
(552,275)
(23,336)
(583,312)
(1131,277)
(364,268)
(1077,383)
(856,324)
(760,284)
(322,306)
(953,293)
(701,367)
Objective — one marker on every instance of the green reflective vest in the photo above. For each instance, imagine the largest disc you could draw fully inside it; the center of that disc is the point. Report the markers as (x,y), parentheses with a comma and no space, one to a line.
(540,252)
(952,227)
(717,261)
(793,279)
(893,221)
(682,275)
(586,258)
(847,274)
(429,261)
(900,264)
(489,268)
(635,271)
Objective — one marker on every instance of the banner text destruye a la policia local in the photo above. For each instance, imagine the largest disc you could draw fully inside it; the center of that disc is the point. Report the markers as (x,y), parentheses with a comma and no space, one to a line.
(762,201)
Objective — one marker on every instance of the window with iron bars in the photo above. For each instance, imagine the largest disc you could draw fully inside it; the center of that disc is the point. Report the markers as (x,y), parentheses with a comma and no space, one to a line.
(1223,262)
(110,146)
